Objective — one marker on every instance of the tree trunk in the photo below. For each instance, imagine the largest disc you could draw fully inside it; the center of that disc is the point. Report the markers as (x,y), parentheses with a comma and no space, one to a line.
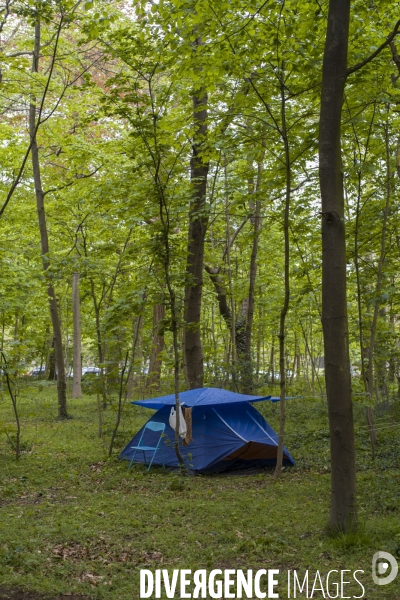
(19,323)
(298,367)
(198,220)
(371,347)
(13,396)
(3,328)
(51,362)
(271,366)
(55,319)
(122,393)
(343,509)
(292,375)
(364,351)
(256,222)
(100,345)
(236,325)
(308,354)
(157,347)
(285,307)
(232,312)
(77,355)
(260,336)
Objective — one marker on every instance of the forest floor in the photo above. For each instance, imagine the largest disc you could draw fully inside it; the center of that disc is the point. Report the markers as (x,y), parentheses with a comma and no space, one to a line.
(74,524)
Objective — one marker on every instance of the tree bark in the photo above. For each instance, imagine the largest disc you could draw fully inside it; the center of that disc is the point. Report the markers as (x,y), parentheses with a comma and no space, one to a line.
(343,509)
(77,354)
(55,319)
(198,221)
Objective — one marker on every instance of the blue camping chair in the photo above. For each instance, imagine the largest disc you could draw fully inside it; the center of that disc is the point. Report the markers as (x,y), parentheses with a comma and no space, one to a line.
(153,426)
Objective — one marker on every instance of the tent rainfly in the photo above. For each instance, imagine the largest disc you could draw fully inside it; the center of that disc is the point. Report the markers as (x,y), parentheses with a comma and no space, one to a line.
(227,432)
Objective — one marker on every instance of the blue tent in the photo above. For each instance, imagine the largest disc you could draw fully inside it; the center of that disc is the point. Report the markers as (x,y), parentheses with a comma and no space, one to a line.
(227,431)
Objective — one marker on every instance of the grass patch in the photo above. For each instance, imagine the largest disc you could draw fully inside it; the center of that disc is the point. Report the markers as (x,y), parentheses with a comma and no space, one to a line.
(73,521)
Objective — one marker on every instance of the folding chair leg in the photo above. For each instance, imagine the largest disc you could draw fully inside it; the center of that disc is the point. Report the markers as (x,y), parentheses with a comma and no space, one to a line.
(133,458)
(152,458)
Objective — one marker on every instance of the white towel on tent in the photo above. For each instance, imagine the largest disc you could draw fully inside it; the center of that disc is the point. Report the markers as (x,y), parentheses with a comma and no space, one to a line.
(182,422)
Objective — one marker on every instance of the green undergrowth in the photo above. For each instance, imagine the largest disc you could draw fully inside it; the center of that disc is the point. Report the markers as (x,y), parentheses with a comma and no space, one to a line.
(74,521)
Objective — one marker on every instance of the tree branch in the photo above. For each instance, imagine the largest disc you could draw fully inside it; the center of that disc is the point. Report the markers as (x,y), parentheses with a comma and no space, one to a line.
(77,177)
(233,238)
(25,53)
(7,12)
(46,89)
(364,62)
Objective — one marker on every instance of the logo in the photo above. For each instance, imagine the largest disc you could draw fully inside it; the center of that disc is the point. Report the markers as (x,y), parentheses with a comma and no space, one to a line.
(381,561)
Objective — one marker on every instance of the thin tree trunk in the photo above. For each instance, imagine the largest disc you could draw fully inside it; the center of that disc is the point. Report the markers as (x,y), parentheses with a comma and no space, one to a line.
(358,283)
(77,355)
(3,328)
(229,273)
(166,258)
(260,336)
(272,361)
(47,349)
(184,365)
(298,367)
(55,319)
(157,347)
(371,347)
(100,347)
(16,327)
(131,380)
(214,341)
(175,326)
(100,415)
(364,374)
(238,332)
(312,360)
(122,394)
(307,355)
(120,404)
(52,375)
(256,222)
(343,509)
(13,395)
(198,220)
(292,375)
(19,323)
(285,307)
(43,357)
